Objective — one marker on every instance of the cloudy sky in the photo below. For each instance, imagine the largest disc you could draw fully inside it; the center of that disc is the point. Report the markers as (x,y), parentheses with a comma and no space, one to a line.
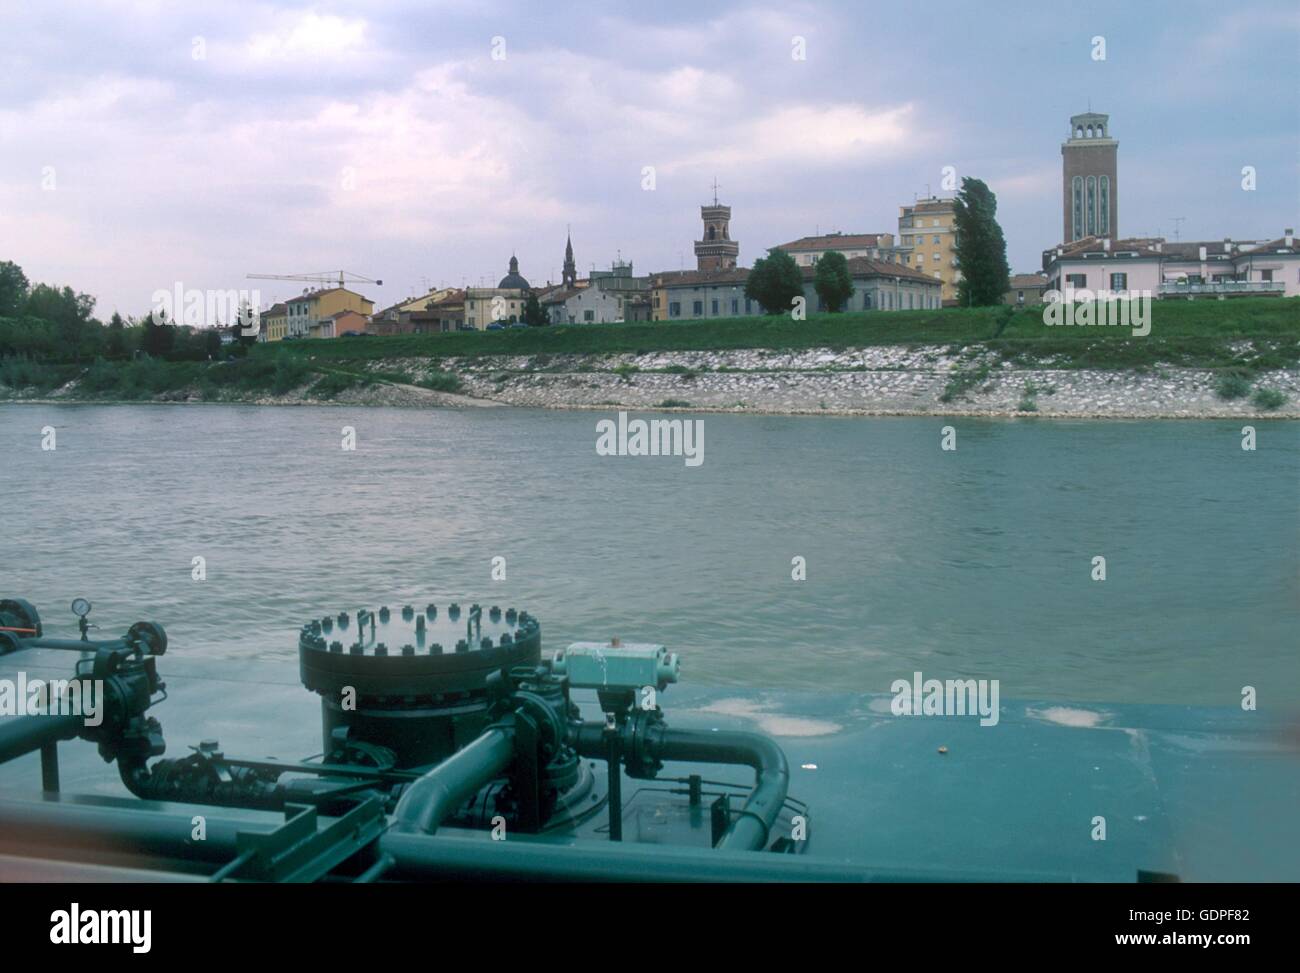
(147,143)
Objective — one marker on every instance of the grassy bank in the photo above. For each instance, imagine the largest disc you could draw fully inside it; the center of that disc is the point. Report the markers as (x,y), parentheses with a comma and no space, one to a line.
(272,373)
(1241,338)
(1195,333)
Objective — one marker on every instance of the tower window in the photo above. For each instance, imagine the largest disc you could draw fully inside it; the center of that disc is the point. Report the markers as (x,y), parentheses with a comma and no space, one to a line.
(1078,208)
(1091,205)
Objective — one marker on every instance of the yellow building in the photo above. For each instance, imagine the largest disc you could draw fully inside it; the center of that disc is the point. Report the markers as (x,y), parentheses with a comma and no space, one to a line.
(275,322)
(927,240)
(314,307)
(489,305)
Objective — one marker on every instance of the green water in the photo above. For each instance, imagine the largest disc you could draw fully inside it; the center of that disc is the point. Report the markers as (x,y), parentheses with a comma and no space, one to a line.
(971,563)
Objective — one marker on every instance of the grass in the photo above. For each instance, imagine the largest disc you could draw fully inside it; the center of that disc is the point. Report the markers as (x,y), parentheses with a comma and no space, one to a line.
(1183,333)
(1242,338)
(1028,398)
(673,404)
(963,380)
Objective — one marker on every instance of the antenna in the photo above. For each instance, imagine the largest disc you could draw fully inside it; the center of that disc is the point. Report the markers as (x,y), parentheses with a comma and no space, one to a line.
(1177,221)
(715,190)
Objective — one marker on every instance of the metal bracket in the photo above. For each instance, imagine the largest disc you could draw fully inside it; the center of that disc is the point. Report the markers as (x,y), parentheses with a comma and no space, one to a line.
(297,852)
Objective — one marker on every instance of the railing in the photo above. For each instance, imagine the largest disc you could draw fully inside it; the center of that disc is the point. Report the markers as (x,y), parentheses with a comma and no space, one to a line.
(1175,288)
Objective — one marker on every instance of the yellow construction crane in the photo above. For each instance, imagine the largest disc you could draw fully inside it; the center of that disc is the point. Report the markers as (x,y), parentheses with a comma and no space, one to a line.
(327,278)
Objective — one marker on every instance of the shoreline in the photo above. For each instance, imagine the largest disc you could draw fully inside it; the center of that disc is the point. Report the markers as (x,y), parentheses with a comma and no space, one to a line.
(874,381)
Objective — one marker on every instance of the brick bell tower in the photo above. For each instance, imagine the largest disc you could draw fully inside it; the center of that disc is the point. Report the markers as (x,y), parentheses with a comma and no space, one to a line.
(717,251)
(1089,175)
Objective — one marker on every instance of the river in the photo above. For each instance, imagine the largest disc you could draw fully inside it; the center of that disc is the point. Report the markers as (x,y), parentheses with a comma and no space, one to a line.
(975,562)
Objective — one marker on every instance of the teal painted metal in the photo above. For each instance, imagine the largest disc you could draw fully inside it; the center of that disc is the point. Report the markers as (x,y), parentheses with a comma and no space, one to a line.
(599,665)
(1205,793)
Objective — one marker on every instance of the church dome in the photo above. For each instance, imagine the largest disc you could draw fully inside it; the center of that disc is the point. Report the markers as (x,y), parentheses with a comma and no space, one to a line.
(514,279)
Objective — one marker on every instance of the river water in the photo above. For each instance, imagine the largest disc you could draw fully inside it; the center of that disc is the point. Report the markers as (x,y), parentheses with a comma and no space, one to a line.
(975,562)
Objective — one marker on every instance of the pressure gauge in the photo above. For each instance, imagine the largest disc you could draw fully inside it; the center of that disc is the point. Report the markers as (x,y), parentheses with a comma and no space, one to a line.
(80,607)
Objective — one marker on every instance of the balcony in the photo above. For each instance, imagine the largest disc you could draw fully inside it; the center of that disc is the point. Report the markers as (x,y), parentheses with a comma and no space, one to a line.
(1184,289)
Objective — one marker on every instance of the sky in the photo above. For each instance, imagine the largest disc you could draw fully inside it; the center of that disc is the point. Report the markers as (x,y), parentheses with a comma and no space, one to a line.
(146,145)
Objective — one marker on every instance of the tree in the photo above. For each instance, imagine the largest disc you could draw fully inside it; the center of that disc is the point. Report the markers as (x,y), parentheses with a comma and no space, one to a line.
(115,341)
(70,313)
(774,282)
(832,280)
(981,247)
(158,337)
(533,313)
(13,289)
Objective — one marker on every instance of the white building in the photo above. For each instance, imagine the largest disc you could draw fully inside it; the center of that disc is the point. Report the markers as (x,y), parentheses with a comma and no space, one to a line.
(1189,269)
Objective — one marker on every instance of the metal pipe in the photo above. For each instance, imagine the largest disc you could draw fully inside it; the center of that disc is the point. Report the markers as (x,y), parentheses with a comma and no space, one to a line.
(50,767)
(449,785)
(116,831)
(473,859)
(27,733)
(73,645)
(750,828)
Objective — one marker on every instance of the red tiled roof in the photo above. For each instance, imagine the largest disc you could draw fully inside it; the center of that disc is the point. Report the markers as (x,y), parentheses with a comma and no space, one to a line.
(1027,280)
(1142,246)
(866,267)
(834,241)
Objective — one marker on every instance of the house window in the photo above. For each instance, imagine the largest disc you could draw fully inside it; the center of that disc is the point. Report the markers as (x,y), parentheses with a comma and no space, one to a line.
(1266,275)
(1119,282)
(748,309)
(674,309)
(936,258)
(735,305)
(866,301)
(1020,297)
(1103,209)
(589,316)
(1077,281)
(920,259)
(936,239)
(697,308)
(909,300)
(714,305)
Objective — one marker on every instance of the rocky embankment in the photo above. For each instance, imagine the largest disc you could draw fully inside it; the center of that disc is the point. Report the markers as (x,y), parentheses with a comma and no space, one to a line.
(887,380)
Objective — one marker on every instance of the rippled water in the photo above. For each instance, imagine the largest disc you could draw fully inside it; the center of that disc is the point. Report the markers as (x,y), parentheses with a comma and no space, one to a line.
(972,563)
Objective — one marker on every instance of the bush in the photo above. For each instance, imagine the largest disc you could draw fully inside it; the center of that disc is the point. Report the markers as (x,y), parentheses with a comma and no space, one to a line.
(1268,399)
(1232,386)
(334,383)
(441,381)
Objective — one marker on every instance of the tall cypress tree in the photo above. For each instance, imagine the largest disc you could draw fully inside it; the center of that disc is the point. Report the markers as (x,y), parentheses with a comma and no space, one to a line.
(981,247)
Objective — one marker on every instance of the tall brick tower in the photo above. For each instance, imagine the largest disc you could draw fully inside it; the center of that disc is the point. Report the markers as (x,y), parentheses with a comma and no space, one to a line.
(716,251)
(1089,177)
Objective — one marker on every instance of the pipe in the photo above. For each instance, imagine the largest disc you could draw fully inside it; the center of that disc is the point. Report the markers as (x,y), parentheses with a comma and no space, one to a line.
(446,787)
(27,733)
(175,780)
(447,857)
(119,831)
(751,827)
